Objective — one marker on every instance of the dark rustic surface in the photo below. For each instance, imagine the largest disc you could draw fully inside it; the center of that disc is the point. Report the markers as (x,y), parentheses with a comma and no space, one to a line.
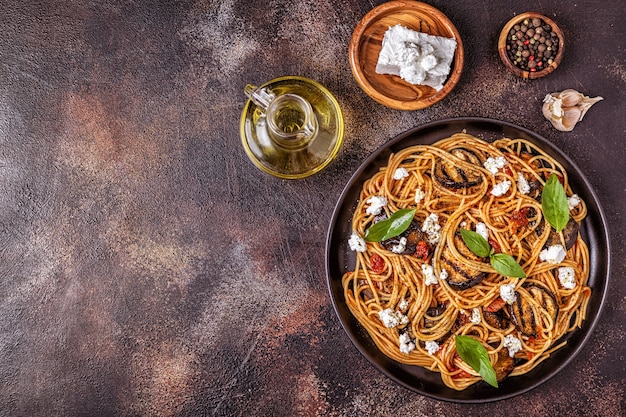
(148,268)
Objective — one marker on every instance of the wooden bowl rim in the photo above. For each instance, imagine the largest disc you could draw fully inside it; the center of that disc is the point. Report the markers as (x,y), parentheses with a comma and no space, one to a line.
(502,46)
(421,9)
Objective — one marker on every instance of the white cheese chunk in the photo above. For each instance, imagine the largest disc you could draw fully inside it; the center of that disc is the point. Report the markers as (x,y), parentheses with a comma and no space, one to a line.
(376,204)
(481,229)
(432,228)
(443,275)
(567,277)
(507,293)
(513,344)
(475,317)
(419,195)
(400,247)
(493,165)
(406,344)
(357,243)
(416,57)
(431,347)
(573,201)
(553,255)
(429,275)
(501,188)
(522,184)
(392,318)
(400,173)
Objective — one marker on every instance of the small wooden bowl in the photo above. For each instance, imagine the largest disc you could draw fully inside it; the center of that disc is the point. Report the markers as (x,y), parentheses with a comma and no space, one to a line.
(502,42)
(366,43)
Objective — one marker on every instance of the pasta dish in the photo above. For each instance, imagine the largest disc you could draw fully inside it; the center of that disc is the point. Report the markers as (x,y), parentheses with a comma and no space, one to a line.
(417,290)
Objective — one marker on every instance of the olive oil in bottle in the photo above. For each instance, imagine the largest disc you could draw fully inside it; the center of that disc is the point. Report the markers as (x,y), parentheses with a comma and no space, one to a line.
(291,127)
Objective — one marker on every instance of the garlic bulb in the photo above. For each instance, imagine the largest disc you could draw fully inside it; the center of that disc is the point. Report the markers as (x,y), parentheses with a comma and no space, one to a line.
(566,108)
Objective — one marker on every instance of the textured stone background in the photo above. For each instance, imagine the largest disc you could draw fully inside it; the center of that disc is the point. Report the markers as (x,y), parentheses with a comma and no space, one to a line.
(148,268)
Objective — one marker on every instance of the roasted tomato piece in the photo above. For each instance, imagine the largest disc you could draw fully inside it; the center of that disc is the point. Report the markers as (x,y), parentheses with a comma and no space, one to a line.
(423,250)
(495,245)
(520,217)
(377,263)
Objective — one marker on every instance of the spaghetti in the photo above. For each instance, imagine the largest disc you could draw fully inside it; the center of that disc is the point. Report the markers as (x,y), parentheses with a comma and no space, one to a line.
(413,292)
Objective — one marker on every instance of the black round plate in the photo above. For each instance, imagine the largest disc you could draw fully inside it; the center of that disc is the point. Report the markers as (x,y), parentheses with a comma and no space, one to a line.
(340,259)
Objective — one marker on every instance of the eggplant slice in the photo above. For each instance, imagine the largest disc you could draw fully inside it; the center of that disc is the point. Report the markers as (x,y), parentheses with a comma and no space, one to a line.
(570,234)
(504,365)
(545,298)
(451,175)
(461,276)
(431,313)
(522,313)
(495,319)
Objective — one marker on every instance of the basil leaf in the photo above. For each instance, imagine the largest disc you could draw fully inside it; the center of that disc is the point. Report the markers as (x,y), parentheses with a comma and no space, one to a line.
(476,356)
(397,223)
(506,265)
(554,203)
(476,243)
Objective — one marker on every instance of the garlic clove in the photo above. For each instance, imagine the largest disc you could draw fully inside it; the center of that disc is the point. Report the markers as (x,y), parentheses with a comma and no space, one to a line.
(571,116)
(570,97)
(586,104)
(552,107)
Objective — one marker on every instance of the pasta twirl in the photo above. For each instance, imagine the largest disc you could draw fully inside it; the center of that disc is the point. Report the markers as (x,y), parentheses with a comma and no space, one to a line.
(413,292)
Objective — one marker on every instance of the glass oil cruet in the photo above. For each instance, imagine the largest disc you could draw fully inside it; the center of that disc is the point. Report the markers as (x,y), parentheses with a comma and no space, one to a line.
(291,127)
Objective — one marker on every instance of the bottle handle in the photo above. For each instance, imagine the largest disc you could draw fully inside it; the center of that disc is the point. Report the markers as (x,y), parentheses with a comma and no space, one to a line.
(262,97)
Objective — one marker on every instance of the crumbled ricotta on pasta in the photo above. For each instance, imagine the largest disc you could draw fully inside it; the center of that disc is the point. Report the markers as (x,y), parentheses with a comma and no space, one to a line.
(494,164)
(357,243)
(392,318)
(419,195)
(400,173)
(475,317)
(553,255)
(376,204)
(400,247)
(443,275)
(573,201)
(431,347)
(403,305)
(429,275)
(501,188)
(481,229)
(406,344)
(513,344)
(567,277)
(432,228)
(522,184)
(507,293)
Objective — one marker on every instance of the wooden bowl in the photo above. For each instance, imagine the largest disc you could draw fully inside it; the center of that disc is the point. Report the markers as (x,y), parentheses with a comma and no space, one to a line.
(502,43)
(366,43)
